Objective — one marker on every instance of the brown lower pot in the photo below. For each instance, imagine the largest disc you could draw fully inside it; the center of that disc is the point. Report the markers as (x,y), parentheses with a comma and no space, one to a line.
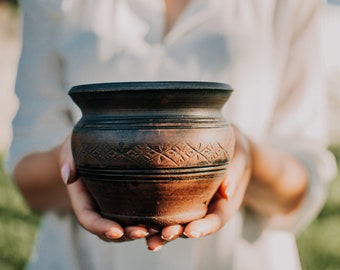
(158,201)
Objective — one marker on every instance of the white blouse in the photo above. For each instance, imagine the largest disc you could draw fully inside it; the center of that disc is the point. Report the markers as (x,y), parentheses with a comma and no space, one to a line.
(267,51)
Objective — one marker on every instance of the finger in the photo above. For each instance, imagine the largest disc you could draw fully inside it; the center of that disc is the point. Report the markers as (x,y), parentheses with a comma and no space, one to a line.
(154,231)
(232,176)
(227,190)
(172,232)
(220,211)
(155,242)
(212,222)
(231,193)
(239,168)
(136,232)
(85,211)
(69,173)
(227,187)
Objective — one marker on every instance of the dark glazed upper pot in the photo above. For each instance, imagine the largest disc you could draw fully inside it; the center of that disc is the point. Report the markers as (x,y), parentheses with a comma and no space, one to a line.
(152,153)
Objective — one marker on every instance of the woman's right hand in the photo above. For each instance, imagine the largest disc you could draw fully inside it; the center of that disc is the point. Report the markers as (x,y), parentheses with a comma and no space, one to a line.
(86,209)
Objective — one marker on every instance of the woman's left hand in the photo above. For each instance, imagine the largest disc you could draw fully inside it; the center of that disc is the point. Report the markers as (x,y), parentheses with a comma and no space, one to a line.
(224,204)
(85,208)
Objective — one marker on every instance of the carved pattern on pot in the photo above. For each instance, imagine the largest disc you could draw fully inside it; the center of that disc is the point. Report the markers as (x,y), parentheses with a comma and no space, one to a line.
(148,155)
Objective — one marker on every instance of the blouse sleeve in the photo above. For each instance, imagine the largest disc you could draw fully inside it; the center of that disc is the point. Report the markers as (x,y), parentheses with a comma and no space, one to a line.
(300,122)
(42,120)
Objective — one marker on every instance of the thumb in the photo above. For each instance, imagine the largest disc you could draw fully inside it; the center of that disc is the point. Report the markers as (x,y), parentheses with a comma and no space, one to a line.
(68,170)
(227,188)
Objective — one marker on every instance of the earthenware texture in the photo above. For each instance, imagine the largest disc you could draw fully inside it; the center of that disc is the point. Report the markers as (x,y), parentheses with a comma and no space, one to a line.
(152,153)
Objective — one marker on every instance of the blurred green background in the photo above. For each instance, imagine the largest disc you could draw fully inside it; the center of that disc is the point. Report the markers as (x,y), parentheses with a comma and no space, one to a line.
(319,244)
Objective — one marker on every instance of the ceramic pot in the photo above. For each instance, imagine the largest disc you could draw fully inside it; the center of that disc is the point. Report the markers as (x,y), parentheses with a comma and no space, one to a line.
(152,153)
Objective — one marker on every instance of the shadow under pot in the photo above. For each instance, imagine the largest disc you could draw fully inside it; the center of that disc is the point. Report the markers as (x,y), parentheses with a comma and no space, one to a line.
(152,153)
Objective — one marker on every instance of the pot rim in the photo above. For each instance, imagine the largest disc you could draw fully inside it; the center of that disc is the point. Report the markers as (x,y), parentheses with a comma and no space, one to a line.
(149,85)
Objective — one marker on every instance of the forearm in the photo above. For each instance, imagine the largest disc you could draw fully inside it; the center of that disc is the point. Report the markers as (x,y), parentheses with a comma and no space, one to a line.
(278,183)
(38,177)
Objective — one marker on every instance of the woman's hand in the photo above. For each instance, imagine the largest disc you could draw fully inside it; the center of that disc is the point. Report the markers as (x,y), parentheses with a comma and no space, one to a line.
(223,206)
(278,184)
(85,208)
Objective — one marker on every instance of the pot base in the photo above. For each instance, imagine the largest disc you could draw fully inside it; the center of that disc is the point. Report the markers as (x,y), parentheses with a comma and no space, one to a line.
(155,202)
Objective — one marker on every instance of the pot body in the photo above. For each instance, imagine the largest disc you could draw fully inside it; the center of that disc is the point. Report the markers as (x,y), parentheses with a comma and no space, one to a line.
(152,153)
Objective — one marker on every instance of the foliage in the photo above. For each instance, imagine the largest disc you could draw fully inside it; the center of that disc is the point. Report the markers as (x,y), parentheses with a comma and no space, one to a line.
(11,2)
(17,226)
(319,244)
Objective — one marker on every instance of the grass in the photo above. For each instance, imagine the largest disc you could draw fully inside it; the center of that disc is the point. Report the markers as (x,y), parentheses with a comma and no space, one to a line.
(17,227)
(319,244)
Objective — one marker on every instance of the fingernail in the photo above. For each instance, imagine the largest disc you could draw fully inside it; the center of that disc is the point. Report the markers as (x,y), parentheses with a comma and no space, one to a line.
(65,172)
(192,234)
(155,249)
(168,238)
(114,233)
(153,231)
(139,234)
(229,192)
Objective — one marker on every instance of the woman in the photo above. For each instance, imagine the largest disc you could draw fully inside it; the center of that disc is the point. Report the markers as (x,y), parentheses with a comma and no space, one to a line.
(277,180)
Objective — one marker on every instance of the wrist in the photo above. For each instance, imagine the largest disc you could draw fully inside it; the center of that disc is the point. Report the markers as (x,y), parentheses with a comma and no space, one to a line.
(281,176)
(267,163)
